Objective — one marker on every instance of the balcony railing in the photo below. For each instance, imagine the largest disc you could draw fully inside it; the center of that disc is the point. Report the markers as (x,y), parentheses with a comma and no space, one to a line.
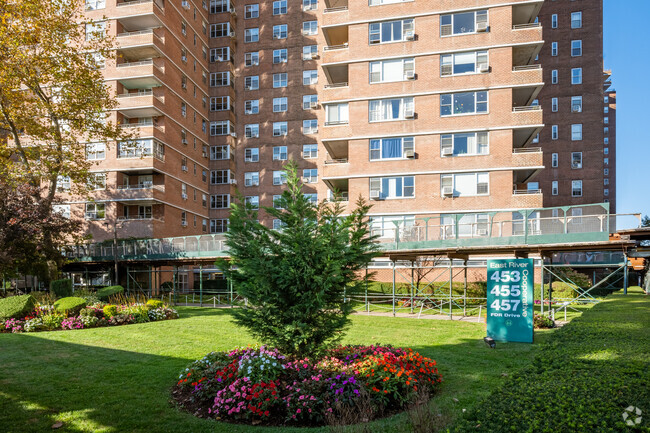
(527,108)
(526,191)
(526,68)
(336,85)
(139,2)
(140,63)
(526,26)
(527,150)
(135,218)
(337,161)
(337,9)
(336,47)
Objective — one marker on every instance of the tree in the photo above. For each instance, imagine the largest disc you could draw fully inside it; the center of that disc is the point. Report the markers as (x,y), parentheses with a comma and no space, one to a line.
(295,278)
(645,222)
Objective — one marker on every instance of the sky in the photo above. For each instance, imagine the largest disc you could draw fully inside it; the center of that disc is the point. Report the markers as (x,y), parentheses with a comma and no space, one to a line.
(627,50)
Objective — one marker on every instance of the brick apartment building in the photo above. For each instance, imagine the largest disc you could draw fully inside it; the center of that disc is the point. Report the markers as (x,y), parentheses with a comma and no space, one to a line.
(579,140)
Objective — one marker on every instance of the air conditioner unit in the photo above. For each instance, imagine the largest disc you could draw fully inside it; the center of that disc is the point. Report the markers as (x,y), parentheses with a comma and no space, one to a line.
(313,104)
(306,180)
(447,151)
(374,194)
(447,191)
(484,68)
(184,141)
(233,134)
(409,114)
(314,55)
(184,223)
(482,27)
(409,36)
(305,32)
(410,75)
(409,154)
(185,4)
(231,34)
(205,154)
(184,167)
(184,196)
(233,12)
(248,87)
(91,215)
(576,109)
(234,182)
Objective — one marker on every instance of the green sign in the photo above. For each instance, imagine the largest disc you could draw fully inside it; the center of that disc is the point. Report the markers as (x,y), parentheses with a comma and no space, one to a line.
(510,300)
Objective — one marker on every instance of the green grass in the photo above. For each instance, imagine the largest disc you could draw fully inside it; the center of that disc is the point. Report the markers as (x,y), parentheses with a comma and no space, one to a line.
(118,379)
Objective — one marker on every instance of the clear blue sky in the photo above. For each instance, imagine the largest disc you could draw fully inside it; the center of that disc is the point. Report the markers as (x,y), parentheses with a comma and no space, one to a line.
(627,46)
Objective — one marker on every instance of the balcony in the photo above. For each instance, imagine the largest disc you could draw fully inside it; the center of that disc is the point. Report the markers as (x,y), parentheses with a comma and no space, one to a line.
(139,13)
(142,104)
(143,74)
(146,194)
(336,168)
(527,74)
(527,157)
(525,198)
(141,44)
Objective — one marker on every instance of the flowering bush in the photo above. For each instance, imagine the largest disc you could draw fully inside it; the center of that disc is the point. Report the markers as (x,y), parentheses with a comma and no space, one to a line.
(261,385)
(540,321)
(72,323)
(162,313)
(14,325)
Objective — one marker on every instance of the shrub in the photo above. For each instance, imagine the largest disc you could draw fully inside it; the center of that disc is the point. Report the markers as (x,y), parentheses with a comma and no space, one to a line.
(70,305)
(542,322)
(121,319)
(52,321)
(91,312)
(107,292)
(155,303)
(61,288)
(72,323)
(16,307)
(110,310)
(88,321)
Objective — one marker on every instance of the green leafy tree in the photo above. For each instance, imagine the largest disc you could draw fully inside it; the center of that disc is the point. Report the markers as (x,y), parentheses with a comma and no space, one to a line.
(295,278)
(645,222)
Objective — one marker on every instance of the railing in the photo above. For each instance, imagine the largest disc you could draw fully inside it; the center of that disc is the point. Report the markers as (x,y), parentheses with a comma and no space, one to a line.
(143,186)
(526,67)
(527,108)
(139,2)
(526,191)
(147,92)
(336,85)
(527,150)
(137,32)
(140,63)
(336,47)
(337,9)
(136,218)
(526,26)
(337,161)
(336,122)
(136,125)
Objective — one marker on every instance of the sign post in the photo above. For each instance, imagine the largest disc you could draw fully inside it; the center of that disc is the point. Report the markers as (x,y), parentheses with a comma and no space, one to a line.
(510,300)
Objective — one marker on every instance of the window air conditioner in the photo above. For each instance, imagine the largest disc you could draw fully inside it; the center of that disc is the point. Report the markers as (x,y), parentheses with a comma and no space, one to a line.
(410,75)
(409,154)
(185,4)
(447,151)
(374,194)
(313,104)
(409,114)
(184,196)
(481,232)
(184,167)
(184,141)
(313,56)
(184,223)
(344,196)
(305,180)
(91,215)
(576,109)
(234,182)
(233,134)
(231,34)
(482,27)
(447,191)
(484,68)
(409,36)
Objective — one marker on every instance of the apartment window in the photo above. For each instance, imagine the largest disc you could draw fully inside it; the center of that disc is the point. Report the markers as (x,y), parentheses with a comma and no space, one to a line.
(95,151)
(251,11)
(218,6)
(280,31)
(252,58)
(390,109)
(310,175)
(309,101)
(252,82)
(465,184)
(252,178)
(95,30)
(251,154)
(576,20)
(554,79)
(279,177)
(252,35)
(219,79)
(279,105)
(280,7)
(63,183)
(391,148)
(276,202)
(220,103)
(554,105)
(554,49)
(576,132)
(606,140)
(536,138)
(219,153)
(466,144)
(309,151)
(219,177)
(252,106)
(605,110)
(218,226)
(463,103)
(554,160)
(387,188)
(576,76)
(280,153)
(576,48)
(337,114)
(310,126)
(252,130)
(462,23)
(391,31)
(252,201)
(310,28)
(576,188)
(220,201)
(606,161)
(220,54)
(576,160)
(221,127)
(62,209)
(219,30)
(280,56)
(605,181)
(312,197)
(576,104)
(309,5)
(279,80)
(463,63)
(387,71)
(554,132)
(280,129)
(309,77)
(95,211)
(92,5)
(606,130)
(309,52)
(140,148)
(554,187)
(606,171)
(605,120)
(385,2)
(554,21)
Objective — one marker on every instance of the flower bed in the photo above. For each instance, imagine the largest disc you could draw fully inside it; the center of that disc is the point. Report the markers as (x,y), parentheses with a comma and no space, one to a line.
(48,318)
(259,385)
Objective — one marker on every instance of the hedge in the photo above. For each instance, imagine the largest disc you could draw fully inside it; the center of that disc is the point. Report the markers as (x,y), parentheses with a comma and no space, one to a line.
(109,291)
(70,305)
(61,288)
(16,307)
(155,303)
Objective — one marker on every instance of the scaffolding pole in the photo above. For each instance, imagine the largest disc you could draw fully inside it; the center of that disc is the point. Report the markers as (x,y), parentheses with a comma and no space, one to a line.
(393,288)
(201,285)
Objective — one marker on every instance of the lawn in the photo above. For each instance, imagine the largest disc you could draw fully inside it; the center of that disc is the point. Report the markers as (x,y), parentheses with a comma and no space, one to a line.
(118,379)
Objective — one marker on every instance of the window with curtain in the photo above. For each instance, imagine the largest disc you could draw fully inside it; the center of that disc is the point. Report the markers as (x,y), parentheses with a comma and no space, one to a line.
(462,63)
(389,109)
(390,31)
(390,70)
(394,187)
(463,103)
(390,148)
(466,184)
(337,114)
(473,143)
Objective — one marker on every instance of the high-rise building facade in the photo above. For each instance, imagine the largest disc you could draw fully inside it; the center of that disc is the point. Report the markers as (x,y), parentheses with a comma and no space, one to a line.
(579,140)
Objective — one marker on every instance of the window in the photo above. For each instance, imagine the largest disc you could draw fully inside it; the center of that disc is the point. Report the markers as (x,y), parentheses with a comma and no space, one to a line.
(280,7)
(576,188)
(387,188)
(554,187)
(251,154)
(554,105)
(554,79)
(606,171)
(576,48)
(140,148)
(92,5)
(280,129)
(278,224)
(252,106)
(251,11)
(95,211)
(252,201)
(218,226)
(252,130)
(252,35)
(605,110)
(605,181)
(219,30)
(310,151)
(391,148)
(576,160)
(309,101)
(309,52)
(554,21)
(554,49)
(280,153)
(95,151)
(390,109)
(576,132)
(606,140)
(62,209)
(606,161)
(276,204)
(473,143)
(554,160)
(576,104)
(280,56)
(386,226)
(221,127)
(279,80)
(392,70)
(279,177)
(554,132)
(279,105)
(219,153)
(220,201)
(97,181)
(220,103)
(576,20)
(219,177)
(576,76)
(462,23)
(309,5)
(336,114)
(464,184)
(252,82)
(280,31)
(391,31)
(606,130)
(96,30)
(309,77)
(252,178)
(310,126)
(252,58)
(310,28)
(310,175)
(220,54)
(218,6)
(183,109)
(63,183)
(463,63)
(605,120)
(463,103)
